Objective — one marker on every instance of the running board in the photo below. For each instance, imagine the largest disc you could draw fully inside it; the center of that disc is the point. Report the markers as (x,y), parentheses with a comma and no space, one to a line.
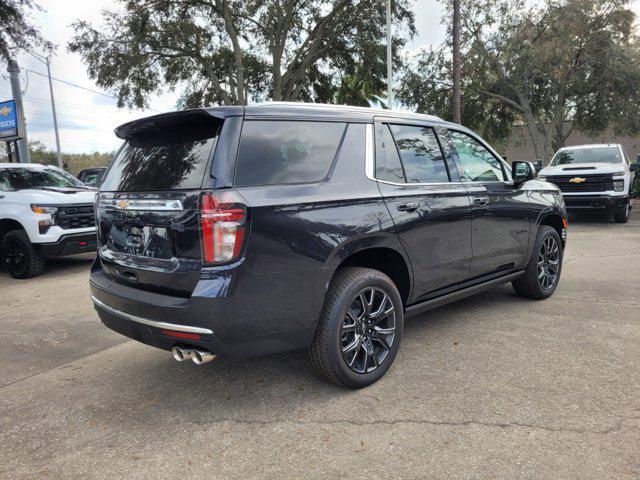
(459,294)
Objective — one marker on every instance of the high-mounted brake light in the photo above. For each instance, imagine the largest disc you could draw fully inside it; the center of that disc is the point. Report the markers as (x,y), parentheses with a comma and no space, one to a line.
(222,218)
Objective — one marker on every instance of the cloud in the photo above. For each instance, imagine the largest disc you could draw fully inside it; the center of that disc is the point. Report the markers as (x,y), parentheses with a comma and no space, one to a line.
(86,120)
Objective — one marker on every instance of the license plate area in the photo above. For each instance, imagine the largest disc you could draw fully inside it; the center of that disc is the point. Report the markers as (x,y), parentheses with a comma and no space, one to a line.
(147,241)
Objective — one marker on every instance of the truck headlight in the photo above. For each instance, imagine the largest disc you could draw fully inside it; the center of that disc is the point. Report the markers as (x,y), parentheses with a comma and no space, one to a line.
(618,185)
(45,223)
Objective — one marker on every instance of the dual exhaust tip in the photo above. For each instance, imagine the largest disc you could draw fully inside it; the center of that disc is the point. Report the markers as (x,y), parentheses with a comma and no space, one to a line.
(199,356)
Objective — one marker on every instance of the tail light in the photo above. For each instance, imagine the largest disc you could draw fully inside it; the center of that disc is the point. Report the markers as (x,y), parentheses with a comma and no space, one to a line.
(222,219)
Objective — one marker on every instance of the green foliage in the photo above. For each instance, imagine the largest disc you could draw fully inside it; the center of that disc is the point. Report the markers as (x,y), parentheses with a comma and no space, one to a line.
(75,161)
(17,32)
(541,64)
(232,51)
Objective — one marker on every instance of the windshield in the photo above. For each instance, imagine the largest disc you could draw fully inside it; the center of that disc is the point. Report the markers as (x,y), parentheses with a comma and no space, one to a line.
(587,155)
(21,178)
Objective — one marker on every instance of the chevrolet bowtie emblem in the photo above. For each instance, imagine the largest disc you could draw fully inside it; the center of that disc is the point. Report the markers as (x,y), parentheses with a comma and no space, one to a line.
(4,111)
(121,204)
(578,180)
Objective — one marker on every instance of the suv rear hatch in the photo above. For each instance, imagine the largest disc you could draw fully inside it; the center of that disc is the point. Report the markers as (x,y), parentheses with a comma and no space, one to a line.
(147,213)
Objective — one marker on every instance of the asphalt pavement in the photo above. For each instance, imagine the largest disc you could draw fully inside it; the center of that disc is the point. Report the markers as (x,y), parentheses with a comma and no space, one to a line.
(493,386)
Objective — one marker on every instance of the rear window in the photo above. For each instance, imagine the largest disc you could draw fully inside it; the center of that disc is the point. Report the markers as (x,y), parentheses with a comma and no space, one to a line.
(165,159)
(284,152)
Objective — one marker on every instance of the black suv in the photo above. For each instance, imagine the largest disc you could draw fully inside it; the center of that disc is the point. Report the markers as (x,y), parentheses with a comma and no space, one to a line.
(238,231)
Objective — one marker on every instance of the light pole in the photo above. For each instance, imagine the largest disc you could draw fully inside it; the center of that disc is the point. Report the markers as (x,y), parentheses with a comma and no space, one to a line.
(45,60)
(456,62)
(389,60)
(22,143)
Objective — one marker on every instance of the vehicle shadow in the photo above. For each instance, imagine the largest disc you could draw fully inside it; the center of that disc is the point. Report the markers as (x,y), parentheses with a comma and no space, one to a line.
(60,266)
(592,218)
(152,385)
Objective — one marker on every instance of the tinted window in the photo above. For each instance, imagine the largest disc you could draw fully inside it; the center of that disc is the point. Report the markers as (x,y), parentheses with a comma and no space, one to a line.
(587,155)
(389,167)
(171,158)
(21,178)
(90,178)
(420,153)
(478,163)
(281,152)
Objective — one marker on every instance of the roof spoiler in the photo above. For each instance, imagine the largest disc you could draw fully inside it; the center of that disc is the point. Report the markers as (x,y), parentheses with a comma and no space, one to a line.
(164,120)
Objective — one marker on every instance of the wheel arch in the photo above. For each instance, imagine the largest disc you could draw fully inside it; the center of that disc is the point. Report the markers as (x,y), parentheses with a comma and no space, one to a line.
(383,258)
(8,224)
(554,220)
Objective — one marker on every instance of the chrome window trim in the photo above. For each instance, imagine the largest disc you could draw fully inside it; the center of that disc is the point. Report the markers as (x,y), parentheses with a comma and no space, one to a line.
(369,153)
(151,323)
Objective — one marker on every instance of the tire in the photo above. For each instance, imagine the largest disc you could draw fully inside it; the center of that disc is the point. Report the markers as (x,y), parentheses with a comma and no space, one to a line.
(351,347)
(19,257)
(622,215)
(530,285)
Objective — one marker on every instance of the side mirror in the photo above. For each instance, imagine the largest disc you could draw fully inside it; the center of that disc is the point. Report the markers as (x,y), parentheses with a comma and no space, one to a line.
(634,166)
(522,171)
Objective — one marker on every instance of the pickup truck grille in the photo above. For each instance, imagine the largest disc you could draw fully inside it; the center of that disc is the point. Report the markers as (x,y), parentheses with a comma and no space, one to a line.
(75,216)
(591,183)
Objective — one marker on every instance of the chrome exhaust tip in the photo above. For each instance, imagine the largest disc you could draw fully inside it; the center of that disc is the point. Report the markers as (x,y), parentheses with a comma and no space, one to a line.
(180,354)
(200,356)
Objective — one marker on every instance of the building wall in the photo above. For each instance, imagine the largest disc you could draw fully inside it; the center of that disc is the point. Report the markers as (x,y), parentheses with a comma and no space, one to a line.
(519,146)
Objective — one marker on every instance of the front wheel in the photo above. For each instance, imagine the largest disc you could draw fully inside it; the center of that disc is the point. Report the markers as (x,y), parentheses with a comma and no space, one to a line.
(622,214)
(360,328)
(542,274)
(19,257)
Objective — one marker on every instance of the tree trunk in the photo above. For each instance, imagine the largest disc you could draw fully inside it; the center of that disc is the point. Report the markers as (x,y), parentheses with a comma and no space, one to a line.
(456,62)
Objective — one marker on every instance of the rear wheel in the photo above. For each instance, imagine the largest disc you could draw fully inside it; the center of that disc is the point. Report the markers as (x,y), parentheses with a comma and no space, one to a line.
(542,275)
(19,257)
(360,328)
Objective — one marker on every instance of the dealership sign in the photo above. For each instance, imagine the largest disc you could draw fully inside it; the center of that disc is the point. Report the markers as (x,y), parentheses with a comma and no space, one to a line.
(8,120)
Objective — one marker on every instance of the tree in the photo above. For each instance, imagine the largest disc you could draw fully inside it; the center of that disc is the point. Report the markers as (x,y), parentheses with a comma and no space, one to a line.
(17,32)
(230,52)
(565,60)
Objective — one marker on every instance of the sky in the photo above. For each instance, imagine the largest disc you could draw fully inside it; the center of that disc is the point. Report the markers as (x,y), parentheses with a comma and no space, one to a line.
(86,120)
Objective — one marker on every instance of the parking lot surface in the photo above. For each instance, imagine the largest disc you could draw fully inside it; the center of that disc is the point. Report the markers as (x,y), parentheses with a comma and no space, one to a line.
(493,386)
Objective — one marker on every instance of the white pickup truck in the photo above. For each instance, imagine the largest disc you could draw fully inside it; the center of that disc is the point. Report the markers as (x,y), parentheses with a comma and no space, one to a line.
(593,178)
(44,212)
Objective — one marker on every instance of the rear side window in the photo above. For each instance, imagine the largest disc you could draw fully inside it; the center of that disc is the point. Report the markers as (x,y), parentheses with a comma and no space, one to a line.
(478,163)
(284,152)
(420,152)
(165,159)
(389,167)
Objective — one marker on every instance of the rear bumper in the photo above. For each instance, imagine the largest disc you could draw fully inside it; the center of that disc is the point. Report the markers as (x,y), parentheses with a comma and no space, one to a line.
(576,203)
(232,322)
(70,244)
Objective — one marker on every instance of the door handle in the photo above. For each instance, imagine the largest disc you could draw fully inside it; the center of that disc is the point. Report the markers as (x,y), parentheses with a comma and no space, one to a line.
(408,207)
(480,201)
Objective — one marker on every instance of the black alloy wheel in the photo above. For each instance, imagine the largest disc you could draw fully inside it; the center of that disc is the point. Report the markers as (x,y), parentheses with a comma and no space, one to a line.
(368,330)
(19,256)
(15,256)
(360,328)
(548,262)
(542,274)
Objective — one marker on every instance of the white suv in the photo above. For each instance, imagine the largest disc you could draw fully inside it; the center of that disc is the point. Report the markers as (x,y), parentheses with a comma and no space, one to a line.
(593,178)
(44,212)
